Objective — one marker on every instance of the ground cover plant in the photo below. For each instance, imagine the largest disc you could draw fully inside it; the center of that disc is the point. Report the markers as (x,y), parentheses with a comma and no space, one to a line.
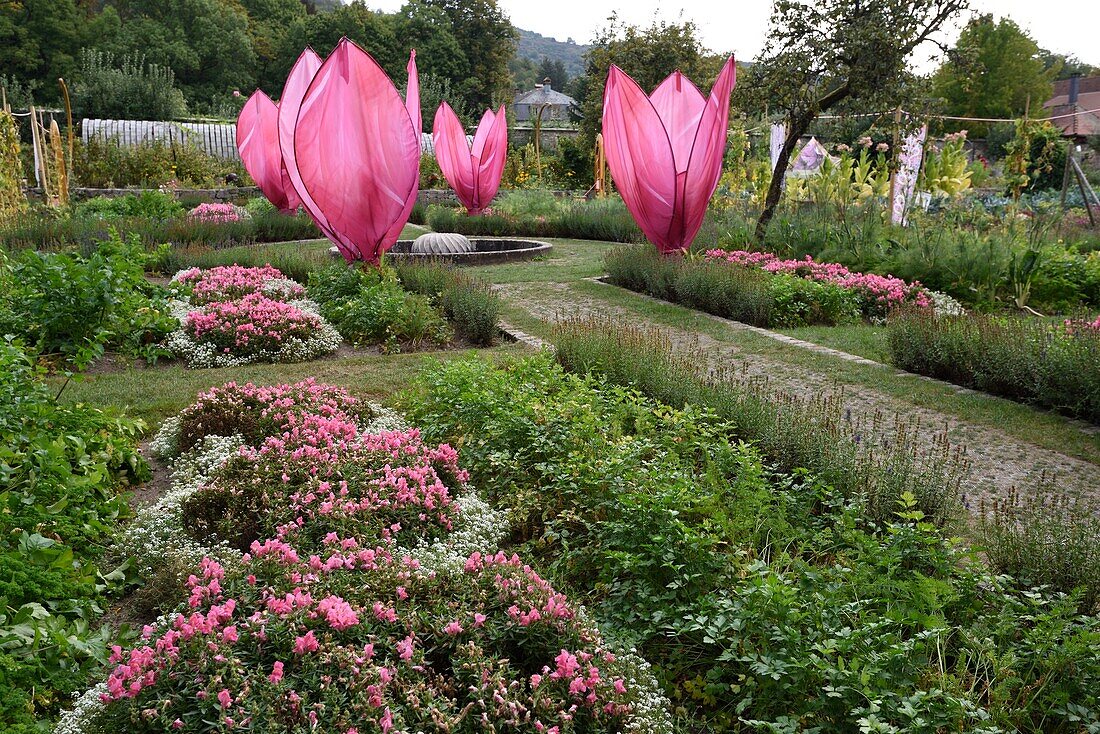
(233,315)
(64,471)
(358,601)
(1055,365)
(70,308)
(765,600)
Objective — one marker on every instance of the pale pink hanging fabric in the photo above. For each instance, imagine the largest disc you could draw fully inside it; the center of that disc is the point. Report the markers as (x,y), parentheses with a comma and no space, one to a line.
(472,171)
(665,151)
(258,145)
(357,150)
(294,91)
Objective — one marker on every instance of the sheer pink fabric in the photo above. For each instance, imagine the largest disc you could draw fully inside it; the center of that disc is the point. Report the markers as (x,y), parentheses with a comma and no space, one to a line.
(665,151)
(258,144)
(294,91)
(357,151)
(472,171)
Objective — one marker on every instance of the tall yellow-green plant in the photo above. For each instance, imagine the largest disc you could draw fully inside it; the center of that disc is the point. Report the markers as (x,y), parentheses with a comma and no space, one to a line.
(947,171)
(12,200)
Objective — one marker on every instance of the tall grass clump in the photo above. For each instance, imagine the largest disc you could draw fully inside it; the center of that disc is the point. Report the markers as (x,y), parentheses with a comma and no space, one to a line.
(466,300)
(1044,537)
(792,432)
(1055,366)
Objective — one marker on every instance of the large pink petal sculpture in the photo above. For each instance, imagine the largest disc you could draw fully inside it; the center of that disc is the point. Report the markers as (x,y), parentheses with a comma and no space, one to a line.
(472,171)
(294,91)
(357,151)
(258,144)
(665,151)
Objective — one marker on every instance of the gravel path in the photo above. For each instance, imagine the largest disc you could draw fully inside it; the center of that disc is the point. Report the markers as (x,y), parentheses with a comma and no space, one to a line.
(997,460)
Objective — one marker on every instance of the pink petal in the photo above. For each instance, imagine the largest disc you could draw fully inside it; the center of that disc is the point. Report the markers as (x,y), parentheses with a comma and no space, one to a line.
(452,153)
(294,91)
(679,103)
(357,150)
(258,144)
(490,153)
(640,156)
(705,167)
(412,106)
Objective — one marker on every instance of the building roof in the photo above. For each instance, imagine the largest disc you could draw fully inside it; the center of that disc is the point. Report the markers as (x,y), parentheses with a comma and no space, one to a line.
(1088,98)
(543,94)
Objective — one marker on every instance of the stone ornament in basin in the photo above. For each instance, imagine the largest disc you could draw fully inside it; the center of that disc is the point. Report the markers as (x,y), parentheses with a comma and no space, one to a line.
(441,243)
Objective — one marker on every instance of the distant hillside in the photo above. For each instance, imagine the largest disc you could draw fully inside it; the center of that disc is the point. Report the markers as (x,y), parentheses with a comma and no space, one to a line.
(534,46)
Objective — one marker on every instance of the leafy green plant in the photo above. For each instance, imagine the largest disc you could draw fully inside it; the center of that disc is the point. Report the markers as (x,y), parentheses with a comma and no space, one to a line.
(466,300)
(149,204)
(125,88)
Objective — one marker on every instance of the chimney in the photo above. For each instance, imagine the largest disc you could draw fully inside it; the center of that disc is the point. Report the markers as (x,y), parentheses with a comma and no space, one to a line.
(546,84)
(1074,87)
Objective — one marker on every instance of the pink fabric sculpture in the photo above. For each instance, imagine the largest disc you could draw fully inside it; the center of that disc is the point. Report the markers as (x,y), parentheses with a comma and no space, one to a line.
(357,151)
(258,144)
(472,171)
(665,151)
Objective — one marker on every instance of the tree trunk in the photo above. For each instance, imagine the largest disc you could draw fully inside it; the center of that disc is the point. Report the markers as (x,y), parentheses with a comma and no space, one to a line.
(775,189)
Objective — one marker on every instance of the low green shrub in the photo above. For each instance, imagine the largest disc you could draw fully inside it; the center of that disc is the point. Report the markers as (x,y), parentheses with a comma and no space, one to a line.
(1031,360)
(542,215)
(70,308)
(369,306)
(292,260)
(63,471)
(150,204)
(36,232)
(466,300)
(743,294)
(104,164)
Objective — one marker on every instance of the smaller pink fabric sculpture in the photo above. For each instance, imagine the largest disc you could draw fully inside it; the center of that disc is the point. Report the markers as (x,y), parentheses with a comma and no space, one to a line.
(472,171)
(258,144)
(665,151)
(357,151)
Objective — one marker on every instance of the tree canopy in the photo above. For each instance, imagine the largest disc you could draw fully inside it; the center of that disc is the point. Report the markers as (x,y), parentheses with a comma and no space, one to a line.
(994,69)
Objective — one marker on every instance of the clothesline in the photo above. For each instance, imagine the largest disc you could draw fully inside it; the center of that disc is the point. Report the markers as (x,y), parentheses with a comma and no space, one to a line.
(954,117)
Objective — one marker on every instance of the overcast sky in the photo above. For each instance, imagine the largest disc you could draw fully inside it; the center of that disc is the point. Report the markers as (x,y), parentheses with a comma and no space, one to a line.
(1064,26)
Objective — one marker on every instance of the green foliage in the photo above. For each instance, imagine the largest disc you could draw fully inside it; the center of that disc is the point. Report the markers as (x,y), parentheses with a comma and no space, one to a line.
(486,36)
(106,164)
(763,600)
(467,301)
(191,241)
(62,469)
(369,306)
(149,204)
(743,294)
(125,88)
(1029,360)
(600,219)
(994,70)
(791,432)
(70,308)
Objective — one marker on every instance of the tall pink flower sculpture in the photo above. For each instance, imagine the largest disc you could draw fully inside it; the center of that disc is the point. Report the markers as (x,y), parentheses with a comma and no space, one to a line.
(472,171)
(258,144)
(665,151)
(357,151)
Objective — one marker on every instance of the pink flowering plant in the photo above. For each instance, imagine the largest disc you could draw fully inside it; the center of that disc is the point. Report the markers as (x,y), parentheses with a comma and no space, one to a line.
(217,213)
(877,295)
(330,623)
(231,316)
(230,282)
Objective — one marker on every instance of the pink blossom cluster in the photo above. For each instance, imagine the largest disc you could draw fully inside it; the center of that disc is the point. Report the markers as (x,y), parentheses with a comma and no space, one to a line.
(328,604)
(217,213)
(878,294)
(1082,326)
(230,282)
(249,325)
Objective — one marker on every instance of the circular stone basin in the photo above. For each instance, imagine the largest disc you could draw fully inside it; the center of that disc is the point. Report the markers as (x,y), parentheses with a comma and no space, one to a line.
(487,251)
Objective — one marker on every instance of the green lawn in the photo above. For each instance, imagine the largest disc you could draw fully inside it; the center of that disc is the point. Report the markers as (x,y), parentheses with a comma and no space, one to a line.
(155,393)
(863,340)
